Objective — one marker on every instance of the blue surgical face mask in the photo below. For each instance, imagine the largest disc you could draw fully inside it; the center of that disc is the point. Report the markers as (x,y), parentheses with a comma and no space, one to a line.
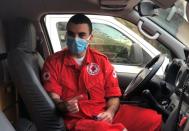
(76,45)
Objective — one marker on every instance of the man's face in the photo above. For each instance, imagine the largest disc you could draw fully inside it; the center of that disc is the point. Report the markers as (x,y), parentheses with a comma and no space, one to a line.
(78,46)
(78,30)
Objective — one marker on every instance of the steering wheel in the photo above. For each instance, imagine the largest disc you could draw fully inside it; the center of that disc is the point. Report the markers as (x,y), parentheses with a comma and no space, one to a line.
(144,75)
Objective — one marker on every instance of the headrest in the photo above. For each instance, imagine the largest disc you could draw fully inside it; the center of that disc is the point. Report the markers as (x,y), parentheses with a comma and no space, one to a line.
(21,34)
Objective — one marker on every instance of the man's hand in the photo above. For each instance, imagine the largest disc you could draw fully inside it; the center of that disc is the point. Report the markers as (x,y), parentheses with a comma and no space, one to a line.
(72,104)
(106,116)
(64,106)
(112,106)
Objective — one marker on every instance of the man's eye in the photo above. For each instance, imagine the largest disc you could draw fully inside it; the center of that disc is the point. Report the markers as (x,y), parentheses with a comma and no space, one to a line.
(70,33)
(81,35)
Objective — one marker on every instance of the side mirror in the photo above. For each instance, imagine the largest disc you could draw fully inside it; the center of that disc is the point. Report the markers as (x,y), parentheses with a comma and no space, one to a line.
(136,54)
(148,8)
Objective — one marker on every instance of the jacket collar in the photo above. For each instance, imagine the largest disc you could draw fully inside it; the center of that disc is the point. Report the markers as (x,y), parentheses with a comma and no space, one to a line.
(69,61)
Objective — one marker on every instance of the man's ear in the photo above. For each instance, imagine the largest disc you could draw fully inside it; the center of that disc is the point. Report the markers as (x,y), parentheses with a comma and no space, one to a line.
(91,38)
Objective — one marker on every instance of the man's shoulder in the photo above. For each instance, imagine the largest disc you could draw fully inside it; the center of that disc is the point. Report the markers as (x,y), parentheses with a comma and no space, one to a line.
(100,59)
(57,56)
(96,53)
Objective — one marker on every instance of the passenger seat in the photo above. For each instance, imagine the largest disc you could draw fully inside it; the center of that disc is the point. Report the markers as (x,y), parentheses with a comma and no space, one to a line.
(25,64)
(5,124)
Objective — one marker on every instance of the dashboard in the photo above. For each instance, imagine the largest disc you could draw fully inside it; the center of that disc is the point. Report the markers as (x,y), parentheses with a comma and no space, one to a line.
(177,78)
(177,83)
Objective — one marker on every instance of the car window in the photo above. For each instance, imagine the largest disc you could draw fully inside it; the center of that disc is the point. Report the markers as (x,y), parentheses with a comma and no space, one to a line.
(111,42)
(155,43)
(117,38)
(61,29)
(114,44)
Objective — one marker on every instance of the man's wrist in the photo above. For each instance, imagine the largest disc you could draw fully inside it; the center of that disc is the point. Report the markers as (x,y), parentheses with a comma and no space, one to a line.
(112,111)
(57,100)
(60,105)
(113,105)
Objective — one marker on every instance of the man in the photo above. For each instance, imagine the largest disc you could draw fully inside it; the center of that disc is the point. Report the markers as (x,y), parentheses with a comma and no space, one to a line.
(84,86)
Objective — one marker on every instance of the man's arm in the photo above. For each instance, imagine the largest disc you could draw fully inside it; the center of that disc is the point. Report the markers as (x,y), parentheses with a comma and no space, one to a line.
(60,105)
(112,107)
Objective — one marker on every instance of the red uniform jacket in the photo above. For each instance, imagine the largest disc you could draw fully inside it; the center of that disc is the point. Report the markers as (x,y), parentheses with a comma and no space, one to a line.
(96,80)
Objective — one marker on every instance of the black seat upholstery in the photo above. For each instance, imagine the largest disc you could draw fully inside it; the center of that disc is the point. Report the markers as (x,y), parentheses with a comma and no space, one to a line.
(5,125)
(4,77)
(25,64)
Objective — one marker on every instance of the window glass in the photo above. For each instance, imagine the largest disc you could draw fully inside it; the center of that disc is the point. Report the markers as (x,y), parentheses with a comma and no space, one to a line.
(158,45)
(61,29)
(111,42)
(118,39)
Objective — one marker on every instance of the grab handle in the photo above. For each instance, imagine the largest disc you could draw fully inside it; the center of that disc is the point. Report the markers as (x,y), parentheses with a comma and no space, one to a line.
(153,37)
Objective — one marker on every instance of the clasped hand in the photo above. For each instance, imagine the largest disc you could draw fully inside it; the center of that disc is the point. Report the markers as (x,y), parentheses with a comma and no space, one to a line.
(72,104)
(106,116)
(72,107)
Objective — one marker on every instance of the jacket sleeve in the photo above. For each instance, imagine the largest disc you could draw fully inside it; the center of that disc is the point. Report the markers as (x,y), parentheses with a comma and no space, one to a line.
(50,74)
(111,81)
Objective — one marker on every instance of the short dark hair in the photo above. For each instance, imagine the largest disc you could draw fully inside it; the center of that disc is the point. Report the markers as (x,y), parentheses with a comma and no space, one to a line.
(80,19)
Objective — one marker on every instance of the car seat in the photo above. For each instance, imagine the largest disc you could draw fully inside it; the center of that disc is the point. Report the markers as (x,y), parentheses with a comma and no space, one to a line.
(5,124)
(24,64)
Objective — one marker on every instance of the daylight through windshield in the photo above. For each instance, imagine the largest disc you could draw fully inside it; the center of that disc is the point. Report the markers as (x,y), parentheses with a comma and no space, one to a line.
(174,20)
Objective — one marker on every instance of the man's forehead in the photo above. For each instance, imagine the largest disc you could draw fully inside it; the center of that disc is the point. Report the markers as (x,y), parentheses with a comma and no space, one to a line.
(78,27)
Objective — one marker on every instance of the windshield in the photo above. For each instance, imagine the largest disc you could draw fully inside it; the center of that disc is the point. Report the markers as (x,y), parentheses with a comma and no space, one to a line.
(174,20)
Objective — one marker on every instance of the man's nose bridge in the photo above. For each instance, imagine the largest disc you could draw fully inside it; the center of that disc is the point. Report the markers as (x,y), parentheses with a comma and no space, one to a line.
(76,35)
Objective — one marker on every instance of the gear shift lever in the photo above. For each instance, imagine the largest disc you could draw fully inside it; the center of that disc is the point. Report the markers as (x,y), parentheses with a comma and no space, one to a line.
(153,102)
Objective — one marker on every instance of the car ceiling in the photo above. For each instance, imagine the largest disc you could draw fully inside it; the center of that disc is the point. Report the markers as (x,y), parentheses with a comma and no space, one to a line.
(34,9)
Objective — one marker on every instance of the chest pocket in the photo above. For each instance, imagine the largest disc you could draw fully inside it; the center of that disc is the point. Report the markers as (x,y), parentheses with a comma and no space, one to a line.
(96,80)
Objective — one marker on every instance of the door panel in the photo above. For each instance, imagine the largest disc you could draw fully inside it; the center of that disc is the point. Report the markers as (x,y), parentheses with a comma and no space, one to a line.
(154,85)
(125,79)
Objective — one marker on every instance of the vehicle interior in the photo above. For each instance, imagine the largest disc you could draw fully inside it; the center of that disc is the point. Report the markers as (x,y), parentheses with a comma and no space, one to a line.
(25,44)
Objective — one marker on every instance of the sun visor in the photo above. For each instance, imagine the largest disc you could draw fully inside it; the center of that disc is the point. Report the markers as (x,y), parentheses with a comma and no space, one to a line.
(113,4)
(164,3)
(117,5)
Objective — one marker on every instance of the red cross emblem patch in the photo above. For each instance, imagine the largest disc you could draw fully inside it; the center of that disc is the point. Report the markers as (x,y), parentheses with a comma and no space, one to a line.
(46,76)
(93,69)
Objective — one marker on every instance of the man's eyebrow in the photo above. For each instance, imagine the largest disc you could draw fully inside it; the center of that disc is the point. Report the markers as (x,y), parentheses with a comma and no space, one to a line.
(70,32)
(82,33)
(78,32)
